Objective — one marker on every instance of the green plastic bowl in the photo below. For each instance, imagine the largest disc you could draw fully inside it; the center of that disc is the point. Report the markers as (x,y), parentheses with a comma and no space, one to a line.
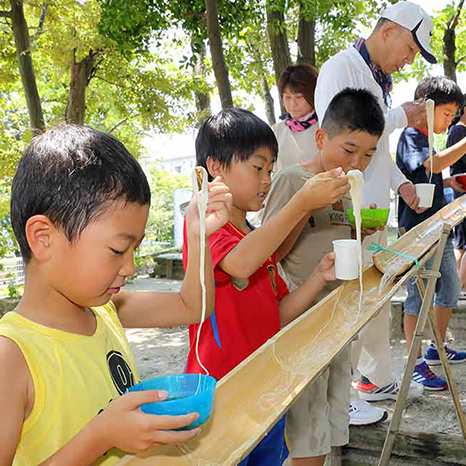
(370,218)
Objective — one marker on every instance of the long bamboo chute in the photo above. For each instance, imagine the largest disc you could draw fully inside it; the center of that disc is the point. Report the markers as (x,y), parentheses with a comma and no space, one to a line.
(252,397)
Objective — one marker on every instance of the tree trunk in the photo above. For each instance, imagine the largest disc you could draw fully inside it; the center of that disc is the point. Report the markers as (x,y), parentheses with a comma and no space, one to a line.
(202,98)
(449,44)
(26,68)
(449,50)
(268,100)
(216,51)
(80,76)
(306,42)
(278,41)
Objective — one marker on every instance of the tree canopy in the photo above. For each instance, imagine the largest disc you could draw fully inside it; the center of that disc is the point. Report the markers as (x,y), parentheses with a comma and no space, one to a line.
(130,68)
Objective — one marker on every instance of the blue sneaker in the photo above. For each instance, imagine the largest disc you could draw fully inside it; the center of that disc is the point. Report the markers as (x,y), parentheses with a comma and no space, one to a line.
(424,376)
(432,357)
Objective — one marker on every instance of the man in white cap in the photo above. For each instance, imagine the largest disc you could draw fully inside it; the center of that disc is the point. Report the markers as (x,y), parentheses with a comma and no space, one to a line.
(403,30)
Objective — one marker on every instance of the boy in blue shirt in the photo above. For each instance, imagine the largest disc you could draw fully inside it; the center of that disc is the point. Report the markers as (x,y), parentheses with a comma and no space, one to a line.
(412,157)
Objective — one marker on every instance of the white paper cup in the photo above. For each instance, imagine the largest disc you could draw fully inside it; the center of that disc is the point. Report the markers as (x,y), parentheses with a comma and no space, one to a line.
(346,259)
(425,192)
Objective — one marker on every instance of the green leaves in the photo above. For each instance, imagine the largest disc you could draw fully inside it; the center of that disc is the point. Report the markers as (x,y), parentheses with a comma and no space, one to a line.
(130,24)
(160,222)
(134,87)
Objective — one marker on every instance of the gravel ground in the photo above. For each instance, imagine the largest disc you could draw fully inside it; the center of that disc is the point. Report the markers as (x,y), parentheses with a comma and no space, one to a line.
(158,351)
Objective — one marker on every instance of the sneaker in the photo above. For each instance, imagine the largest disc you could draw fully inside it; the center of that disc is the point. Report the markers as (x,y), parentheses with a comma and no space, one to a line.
(370,392)
(362,413)
(424,376)
(432,357)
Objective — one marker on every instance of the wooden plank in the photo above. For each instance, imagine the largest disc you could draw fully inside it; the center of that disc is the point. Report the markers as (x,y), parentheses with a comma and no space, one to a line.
(441,447)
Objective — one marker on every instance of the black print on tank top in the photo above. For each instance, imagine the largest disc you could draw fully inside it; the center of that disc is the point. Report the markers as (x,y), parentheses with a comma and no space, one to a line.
(120,371)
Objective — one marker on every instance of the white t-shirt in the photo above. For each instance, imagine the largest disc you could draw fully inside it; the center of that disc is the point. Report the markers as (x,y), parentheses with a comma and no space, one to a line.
(348,69)
(293,147)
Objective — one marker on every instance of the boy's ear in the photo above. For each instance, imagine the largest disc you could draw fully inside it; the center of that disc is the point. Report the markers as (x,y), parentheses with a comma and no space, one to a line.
(214,167)
(40,232)
(320,138)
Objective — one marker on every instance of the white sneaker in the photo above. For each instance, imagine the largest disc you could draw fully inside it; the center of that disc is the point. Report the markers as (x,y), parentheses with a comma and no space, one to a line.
(362,413)
(415,389)
(370,392)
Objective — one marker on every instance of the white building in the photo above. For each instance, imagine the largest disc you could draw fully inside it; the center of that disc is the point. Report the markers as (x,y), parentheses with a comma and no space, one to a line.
(172,152)
(180,165)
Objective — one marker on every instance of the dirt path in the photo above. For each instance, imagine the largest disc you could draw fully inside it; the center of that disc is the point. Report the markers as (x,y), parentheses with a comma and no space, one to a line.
(158,351)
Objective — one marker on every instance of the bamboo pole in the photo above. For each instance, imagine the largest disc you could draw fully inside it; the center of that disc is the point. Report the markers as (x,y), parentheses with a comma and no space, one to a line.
(252,397)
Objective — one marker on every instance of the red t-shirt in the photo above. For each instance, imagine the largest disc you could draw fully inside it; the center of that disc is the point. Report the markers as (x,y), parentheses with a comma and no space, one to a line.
(246,312)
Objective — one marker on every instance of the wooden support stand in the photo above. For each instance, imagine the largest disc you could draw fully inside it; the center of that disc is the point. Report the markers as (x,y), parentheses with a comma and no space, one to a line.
(427,295)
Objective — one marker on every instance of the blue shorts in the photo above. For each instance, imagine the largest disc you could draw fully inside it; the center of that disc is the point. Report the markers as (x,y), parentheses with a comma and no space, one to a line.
(447,288)
(272,449)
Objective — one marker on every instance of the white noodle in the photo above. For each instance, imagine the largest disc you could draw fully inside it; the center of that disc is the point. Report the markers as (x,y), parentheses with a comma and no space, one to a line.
(199,181)
(430,109)
(356,181)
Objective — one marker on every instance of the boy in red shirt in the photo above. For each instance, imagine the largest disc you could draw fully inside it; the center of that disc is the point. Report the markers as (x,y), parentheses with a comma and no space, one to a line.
(252,301)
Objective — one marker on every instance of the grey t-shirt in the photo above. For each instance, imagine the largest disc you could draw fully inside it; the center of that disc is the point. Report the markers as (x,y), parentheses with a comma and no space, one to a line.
(315,240)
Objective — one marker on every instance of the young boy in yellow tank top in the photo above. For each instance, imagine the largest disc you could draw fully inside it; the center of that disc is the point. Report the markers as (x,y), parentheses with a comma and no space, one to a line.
(79,207)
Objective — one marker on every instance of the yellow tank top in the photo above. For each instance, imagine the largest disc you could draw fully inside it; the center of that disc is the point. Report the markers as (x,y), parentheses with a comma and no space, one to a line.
(74,376)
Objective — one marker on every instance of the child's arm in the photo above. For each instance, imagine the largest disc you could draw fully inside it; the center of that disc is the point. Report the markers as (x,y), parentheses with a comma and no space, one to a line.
(13,398)
(124,426)
(167,309)
(283,190)
(253,250)
(451,182)
(446,157)
(290,240)
(295,303)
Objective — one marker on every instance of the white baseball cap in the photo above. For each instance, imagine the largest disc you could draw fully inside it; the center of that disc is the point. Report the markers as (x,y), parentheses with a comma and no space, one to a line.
(415,19)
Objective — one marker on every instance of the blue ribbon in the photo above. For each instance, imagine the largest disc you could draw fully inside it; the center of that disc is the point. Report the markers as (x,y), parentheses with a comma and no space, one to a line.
(377,248)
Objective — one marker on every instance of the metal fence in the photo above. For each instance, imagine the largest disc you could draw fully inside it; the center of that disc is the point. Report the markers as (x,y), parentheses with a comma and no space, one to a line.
(12,269)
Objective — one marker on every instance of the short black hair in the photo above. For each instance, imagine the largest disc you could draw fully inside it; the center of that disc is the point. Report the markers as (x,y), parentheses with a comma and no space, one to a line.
(70,174)
(353,110)
(233,133)
(441,90)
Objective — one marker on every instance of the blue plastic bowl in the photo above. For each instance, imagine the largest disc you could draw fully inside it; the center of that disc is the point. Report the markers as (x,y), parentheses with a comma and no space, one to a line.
(187,393)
